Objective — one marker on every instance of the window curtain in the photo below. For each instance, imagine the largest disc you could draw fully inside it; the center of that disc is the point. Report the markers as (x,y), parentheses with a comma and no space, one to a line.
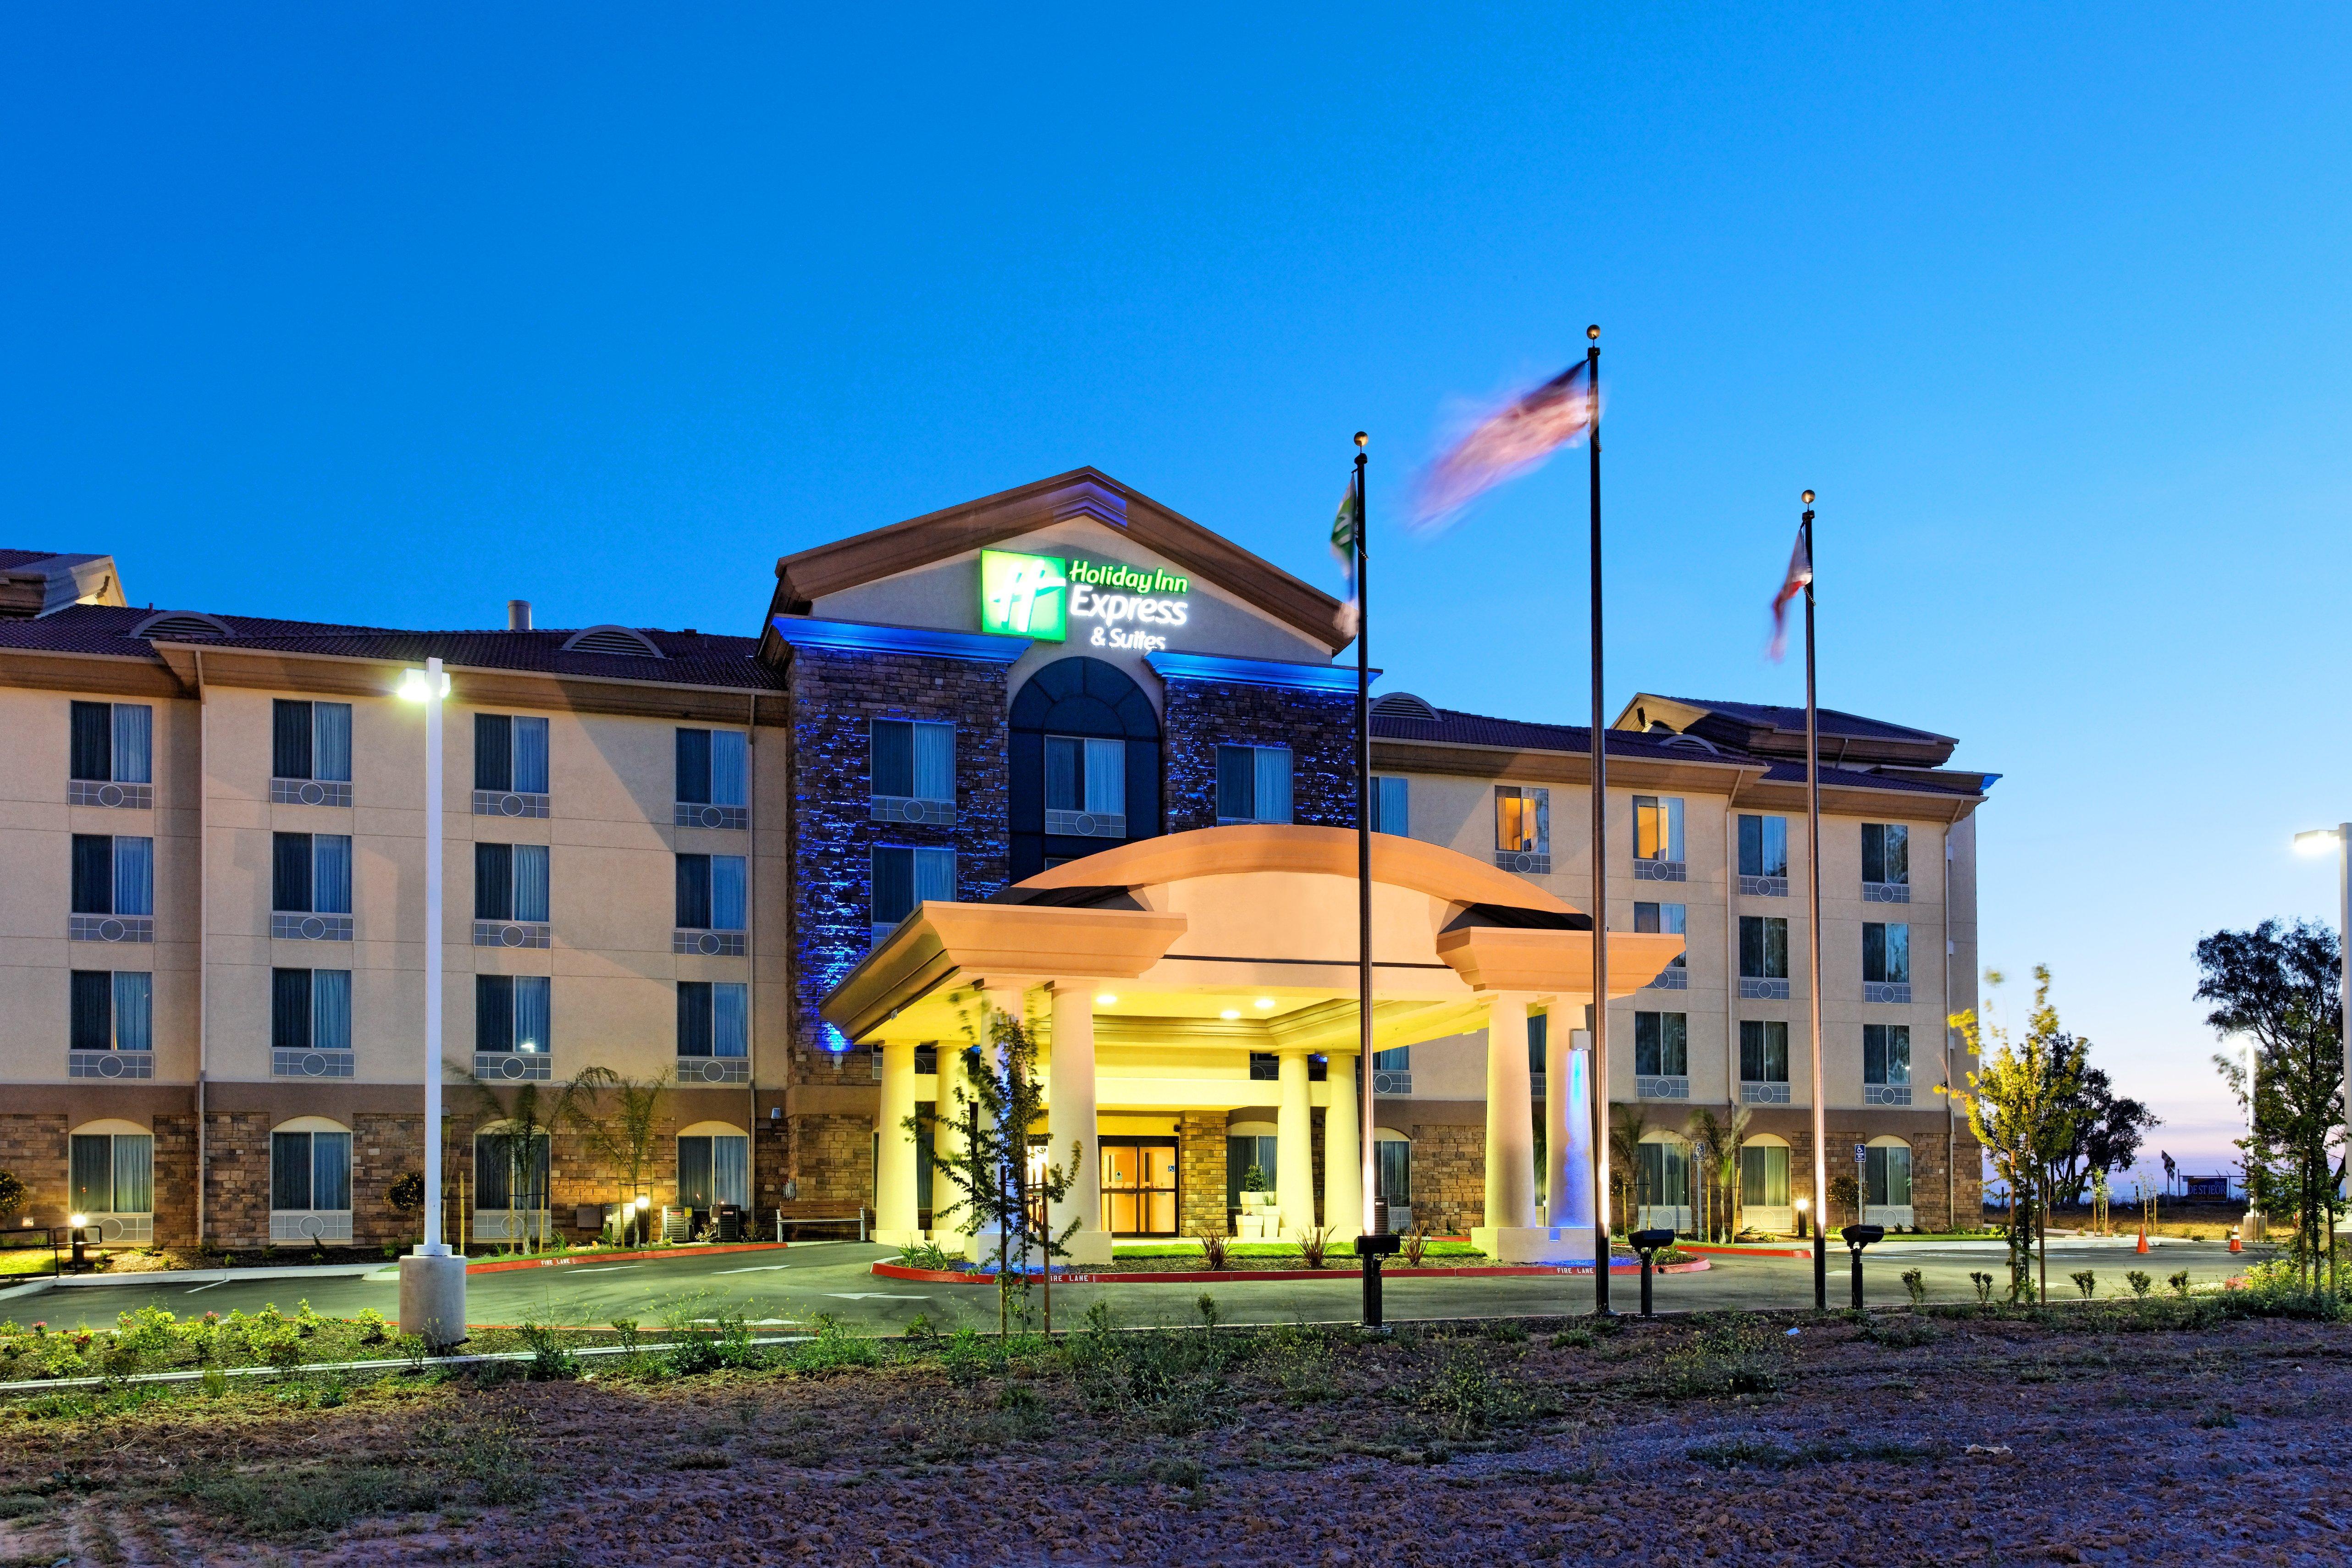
(330,1170)
(330,1009)
(935,874)
(730,1010)
(290,729)
(1665,1175)
(1272,781)
(934,762)
(1065,756)
(694,891)
(532,998)
(1235,784)
(330,887)
(1106,778)
(694,1173)
(728,904)
(493,882)
(330,750)
(134,876)
(93,1173)
(530,881)
(1393,1176)
(134,1010)
(493,751)
(1899,955)
(531,756)
(90,743)
(289,872)
(1764,1177)
(135,743)
(1887,1176)
(135,1173)
(1396,1058)
(91,1025)
(893,885)
(290,1009)
(289,1171)
(694,1011)
(730,768)
(494,1013)
(731,1171)
(694,767)
(93,874)
(1393,808)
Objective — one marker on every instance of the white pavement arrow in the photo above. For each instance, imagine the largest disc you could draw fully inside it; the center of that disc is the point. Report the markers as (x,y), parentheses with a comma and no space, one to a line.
(872,1296)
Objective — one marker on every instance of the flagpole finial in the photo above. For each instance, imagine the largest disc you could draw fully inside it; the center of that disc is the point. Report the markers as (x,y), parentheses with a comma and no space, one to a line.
(1361,438)
(1593,331)
(1808,497)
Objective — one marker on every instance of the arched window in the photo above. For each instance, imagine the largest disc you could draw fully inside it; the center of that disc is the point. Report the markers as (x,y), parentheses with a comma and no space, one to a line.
(1084,764)
(1764,1174)
(509,1181)
(1662,1181)
(113,1179)
(1392,1173)
(1886,1181)
(714,1167)
(310,1181)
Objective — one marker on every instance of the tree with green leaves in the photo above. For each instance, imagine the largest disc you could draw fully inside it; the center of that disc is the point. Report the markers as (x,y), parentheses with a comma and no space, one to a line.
(1628,1125)
(1002,1181)
(2024,1104)
(519,1132)
(619,1117)
(2276,986)
(1723,1138)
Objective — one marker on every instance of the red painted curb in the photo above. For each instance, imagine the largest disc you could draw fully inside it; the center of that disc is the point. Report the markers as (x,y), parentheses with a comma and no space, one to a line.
(1715,1250)
(505,1265)
(1239,1276)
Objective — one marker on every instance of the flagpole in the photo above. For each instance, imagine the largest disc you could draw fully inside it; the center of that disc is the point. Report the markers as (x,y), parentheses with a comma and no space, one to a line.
(1813,937)
(1599,872)
(1365,1145)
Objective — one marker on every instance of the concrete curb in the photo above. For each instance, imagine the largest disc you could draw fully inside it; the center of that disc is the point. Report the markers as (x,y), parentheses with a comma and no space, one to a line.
(1276,1276)
(38,1386)
(168,1277)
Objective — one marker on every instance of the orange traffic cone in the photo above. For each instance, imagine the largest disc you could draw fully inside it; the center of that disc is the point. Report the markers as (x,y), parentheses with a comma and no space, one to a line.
(2234,1245)
(2143,1239)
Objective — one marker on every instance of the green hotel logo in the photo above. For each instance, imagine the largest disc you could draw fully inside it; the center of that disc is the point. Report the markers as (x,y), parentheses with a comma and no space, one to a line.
(1024,596)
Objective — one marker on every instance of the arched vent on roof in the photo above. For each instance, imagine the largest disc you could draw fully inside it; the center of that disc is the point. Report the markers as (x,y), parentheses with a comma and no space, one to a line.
(1404,705)
(1694,741)
(171,625)
(617,640)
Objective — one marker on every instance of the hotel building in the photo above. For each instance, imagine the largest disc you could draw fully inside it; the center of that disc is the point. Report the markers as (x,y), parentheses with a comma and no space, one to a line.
(1060,750)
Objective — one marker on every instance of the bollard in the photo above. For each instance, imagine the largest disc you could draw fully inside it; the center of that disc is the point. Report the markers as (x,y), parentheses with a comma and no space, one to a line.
(1649,1244)
(1858,1236)
(1371,1249)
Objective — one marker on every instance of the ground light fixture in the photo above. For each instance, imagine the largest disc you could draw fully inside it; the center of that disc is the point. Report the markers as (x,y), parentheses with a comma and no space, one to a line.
(1858,1236)
(1801,1205)
(81,1237)
(1649,1244)
(432,1279)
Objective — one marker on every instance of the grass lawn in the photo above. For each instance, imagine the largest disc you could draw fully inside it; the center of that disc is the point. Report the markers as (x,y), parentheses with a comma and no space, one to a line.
(24,1260)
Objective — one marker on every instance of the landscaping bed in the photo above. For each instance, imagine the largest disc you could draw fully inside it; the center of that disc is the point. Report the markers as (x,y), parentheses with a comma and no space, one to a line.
(2123,1430)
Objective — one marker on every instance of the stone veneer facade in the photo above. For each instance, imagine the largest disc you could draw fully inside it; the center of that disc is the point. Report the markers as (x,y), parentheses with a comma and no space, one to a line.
(1320,728)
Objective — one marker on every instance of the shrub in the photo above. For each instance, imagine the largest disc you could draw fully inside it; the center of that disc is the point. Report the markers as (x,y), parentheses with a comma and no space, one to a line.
(1415,1246)
(929,1255)
(1731,1352)
(552,1360)
(2141,1282)
(1983,1282)
(2179,1283)
(2086,1281)
(1216,1253)
(1915,1285)
(1313,1244)
(372,1326)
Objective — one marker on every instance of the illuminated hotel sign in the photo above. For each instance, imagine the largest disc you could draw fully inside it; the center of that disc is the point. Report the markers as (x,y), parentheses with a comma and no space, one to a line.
(1041,597)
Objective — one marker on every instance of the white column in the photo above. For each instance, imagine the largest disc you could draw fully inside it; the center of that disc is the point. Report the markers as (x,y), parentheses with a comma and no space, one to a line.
(895,1214)
(1294,1149)
(1005,997)
(1510,1116)
(1070,1118)
(1560,1134)
(1343,1169)
(1575,1215)
(948,1144)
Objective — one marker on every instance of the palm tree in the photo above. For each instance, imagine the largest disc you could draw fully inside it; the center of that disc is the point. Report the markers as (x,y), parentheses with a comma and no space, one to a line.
(517,1134)
(1723,1136)
(621,1119)
(1628,1124)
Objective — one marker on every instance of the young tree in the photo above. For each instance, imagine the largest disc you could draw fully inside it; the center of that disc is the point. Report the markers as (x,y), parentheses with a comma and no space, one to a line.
(620,1120)
(519,1139)
(1723,1136)
(2024,1106)
(1628,1124)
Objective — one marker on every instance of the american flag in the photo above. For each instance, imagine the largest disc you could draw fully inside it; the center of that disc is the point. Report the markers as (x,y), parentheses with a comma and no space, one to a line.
(1506,443)
(1800,575)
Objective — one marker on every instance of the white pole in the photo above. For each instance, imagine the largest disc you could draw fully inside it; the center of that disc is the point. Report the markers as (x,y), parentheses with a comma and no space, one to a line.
(433,1246)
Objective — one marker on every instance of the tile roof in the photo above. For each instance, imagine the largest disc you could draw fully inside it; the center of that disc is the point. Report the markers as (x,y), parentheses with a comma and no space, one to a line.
(689,658)
(1832,721)
(21,557)
(1455,727)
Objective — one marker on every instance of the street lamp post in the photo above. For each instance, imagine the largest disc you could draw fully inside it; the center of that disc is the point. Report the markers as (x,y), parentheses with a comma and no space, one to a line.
(432,1279)
(2318,842)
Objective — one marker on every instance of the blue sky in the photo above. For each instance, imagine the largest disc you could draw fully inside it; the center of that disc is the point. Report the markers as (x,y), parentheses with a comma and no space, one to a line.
(391,313)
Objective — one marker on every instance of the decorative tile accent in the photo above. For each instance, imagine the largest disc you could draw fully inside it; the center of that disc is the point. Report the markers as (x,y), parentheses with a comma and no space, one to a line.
(1764,886)
(1085,824)
(1763,1094)
(110,1064)
(311,1064)
(310,928)
(1674,977)
(92,792)
(308,792)
(1886,892)
(1662,1088)
(708,943)
(1886,1094)
(1753,990)
(511,934)
(906,808)
(713,1069)
(689,814)
(1523,862)
(508,803)
(514,1067)
(111,928)
(1888,992)
(1660,871)
(1393,1080)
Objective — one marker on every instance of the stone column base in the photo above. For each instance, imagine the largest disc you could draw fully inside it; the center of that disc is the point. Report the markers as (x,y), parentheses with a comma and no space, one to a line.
(432,1299)
(1533,1244)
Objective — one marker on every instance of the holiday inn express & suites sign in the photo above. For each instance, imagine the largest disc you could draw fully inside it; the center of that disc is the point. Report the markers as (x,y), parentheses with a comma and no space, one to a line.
(1041,597)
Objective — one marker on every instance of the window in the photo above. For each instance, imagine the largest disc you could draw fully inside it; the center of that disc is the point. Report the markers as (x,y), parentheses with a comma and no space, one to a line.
(509,754)
(1265,1067)
(904,878)
(1764,855)
(712,892)
(113,1172)
(310,1172)
(1886,963)
(1139,1186)
(510,1014)
(111,1010)
(1662,1044)
(915,760)
(1086,786)
(111,744)
(509,1171)
(714,767)
(1763,1051)
(310,741)
(1764,1175)
(510,882)
(1886,1175)
(1764,957)
(1245,1152)
(1391,806)
(1523,830)
(310,1009)
(1664,1175)
(1392,1169)
(113,876)
(1538,1043)
(1886,862)
(310,873)
(714,1170)
(1253,783)
(1672,919)
(1887,1064)
(1657,838)
(713,1019)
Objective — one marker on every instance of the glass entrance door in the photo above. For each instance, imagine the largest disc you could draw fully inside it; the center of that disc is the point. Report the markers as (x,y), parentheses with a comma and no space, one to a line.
(1138,1186)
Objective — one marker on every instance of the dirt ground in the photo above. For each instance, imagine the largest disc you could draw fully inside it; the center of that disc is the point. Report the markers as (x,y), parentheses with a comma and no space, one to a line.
(1728,1440)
